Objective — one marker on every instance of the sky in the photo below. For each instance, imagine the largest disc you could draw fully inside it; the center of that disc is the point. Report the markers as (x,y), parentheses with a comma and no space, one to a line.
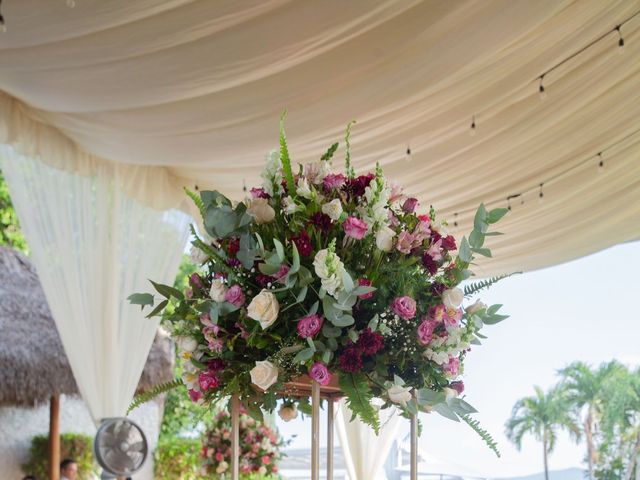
(582,310)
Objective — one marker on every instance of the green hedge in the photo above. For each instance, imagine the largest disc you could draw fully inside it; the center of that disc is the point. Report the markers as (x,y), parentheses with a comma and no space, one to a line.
(72,445)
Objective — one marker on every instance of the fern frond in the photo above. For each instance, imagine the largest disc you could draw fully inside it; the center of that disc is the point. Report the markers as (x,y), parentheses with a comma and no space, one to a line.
(486,436)
(329,153)
(197,200)
(481,285)
(285,159)
(149,395)
(359,396)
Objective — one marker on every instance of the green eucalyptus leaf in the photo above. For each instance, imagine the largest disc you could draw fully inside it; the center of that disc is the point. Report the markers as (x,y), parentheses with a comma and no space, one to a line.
(158,309)
(303,355)
(465,251)
(167,291)
(496,214)
(142,299)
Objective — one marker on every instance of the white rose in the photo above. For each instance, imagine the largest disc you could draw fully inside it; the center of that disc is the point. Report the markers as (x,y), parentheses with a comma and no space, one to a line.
(264,308)
(303,188)
(452,298)
(399,394)
(476,307)
(187,344)
(218,290)
(222,467)
(384,238)
(260,210)
(262,470)
(264,374)
(197,256)
(288,412)
(333,209)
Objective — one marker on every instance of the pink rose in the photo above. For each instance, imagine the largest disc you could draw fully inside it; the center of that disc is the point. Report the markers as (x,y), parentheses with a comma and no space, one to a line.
(266,459)
(355,228)
(333,181)
(405,242)
(195,395)
(410,204)
(452,367)
(458,386)
(320,374)
(363,282)
(219,457)
(425,330)
(208,380)
(309,326)
(235,296)
(404,307)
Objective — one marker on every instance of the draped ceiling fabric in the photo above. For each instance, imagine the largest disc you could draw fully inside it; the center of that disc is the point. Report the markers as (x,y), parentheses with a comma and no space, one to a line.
(186,92)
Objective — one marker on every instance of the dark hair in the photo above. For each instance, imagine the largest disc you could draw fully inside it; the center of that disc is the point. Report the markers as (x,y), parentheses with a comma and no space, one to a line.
(66,462)
(29,477)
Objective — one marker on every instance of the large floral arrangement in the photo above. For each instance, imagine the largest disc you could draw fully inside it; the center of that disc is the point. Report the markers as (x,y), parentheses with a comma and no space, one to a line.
(334,275)
(259,447)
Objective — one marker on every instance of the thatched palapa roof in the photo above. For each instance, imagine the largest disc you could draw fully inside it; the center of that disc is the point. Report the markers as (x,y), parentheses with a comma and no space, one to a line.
(33,364)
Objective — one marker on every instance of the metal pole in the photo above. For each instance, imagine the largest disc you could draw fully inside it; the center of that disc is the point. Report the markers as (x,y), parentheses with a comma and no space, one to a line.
(54,437)
(330,404)
(315,430)
(235,437)
(414,447)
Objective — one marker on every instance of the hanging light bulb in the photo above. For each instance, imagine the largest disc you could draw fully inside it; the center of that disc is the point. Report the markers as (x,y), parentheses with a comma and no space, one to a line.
(455,221)
(541,194)
(600,163)
(474,127)
(620,40)
(408,153)
(541,90)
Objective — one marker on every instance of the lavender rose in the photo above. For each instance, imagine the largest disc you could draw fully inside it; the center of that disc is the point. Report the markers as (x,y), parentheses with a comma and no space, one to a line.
(404,307)
(235,296)
(320,374)
(309,326)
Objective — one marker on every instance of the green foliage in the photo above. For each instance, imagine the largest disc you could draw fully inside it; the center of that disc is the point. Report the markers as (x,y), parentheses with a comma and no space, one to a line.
(197,201)
(347,161)
(359,396)
(475,287)
(328,155)
(72,445)
(10,233)
(486,436)
(178,459)
(285,159)
(153,393)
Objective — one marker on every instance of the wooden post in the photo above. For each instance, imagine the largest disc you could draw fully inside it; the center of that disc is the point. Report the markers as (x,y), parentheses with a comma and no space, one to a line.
(54,437)
(330,405)
(414,448)
(315,430)
(235,437)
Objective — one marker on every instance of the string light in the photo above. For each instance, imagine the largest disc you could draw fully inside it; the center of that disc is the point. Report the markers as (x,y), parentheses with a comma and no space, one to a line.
(472,132)
(600,163)
(541,194)
(3,27)
(455,221)
(408,153)
(541,90)
(244,185)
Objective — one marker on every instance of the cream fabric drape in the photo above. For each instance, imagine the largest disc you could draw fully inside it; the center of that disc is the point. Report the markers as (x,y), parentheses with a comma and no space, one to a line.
(364,451)
(92,247)
(186,92)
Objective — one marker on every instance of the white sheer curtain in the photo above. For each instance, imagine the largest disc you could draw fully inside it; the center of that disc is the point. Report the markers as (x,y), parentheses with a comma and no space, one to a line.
(364,452)
(93,246)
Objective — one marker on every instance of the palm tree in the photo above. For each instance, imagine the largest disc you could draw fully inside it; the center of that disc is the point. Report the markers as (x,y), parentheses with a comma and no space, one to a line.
(583,387)
(540,415)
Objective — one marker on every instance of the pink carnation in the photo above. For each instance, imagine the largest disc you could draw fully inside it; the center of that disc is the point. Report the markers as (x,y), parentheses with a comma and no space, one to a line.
(320,374)
(425,331)
(404,307)
(309,326)
(355,228)
(235,296)
(208,380)
(452,367)
(219,456)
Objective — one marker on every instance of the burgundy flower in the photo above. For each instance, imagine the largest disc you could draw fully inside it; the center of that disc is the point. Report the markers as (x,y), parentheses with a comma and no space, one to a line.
(195,395)
(429,263)
(233,246)
(215,365)
(233,262)
(235,296)
(303,243)
(410,205)
(320,374)
(370,342)
(351,359)
(195,280)
(333,181)
(458,386)
(354,187)
(449,243)
(309,326)
(437,288)
(208,380)
(363,282)
(435,236)
(263,280)
(259,193)
(321,221)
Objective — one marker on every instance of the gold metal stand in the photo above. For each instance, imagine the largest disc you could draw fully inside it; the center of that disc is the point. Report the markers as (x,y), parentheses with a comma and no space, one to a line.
(330,405)
(315,430)
(235,437)
(414,448)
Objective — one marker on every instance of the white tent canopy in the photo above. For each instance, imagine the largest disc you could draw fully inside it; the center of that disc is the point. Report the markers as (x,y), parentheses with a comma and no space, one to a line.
(187,92)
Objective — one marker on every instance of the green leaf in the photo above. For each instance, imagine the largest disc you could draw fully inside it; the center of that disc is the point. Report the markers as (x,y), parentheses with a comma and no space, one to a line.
(295,265)
(332,344)
(426,396)
(303,355)
(279,249)
(485,252)
(158,309)
(285,159)
(476,239)
(496,214)
(220,223)
(154,392)
(314,308)
(480,219)
(327,355)
(329,153)
(444,410)
(461,407)
(465,251)
(142,299)
(486,436)
(343,321)
(167,291)
(312,346)
(373,323)
(268,269)
(347,140)
(475,287)
(301,295)
(197,200)
(359,397)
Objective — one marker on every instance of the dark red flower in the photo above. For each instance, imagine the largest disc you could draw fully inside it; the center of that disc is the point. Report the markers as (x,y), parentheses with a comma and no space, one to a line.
(233,262)
(429,263)
(303,243)
(449,243)
(322,221)
(233,246)
(457,386)
(355,186)
(351,359)
(259,193)
(370,342)
(263,280)
(437,288)
(215,365)
(195,280)
(365,282)
(435,236)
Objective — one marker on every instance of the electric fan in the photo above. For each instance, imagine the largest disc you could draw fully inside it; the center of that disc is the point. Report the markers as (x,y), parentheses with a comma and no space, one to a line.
(120,447)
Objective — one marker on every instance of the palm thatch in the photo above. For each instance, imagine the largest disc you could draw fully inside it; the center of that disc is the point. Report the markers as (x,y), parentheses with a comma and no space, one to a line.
(33,364)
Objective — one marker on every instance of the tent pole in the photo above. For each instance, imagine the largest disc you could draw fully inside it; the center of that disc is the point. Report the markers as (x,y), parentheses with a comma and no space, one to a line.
(315,430)
(54,437)
(414,447)
(235,437)
(330,405)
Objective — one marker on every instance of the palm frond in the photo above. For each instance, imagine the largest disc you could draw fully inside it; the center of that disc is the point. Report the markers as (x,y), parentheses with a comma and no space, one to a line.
(475,287)
(149,395)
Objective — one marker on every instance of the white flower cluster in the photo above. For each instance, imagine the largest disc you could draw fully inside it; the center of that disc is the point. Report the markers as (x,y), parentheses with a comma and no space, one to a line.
(272,173)
(330,270)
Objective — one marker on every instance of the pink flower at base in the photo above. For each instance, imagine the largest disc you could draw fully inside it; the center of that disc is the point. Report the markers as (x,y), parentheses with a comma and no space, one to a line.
(208,380)
(195,395)
(235,296)
(309,326)
(425,331)
(320,374)
(404,307)
(363,282)
(355,228)
(452,367)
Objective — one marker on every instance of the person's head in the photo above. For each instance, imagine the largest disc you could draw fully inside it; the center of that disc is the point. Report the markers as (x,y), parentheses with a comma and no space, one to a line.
(29,477)
(69,468)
